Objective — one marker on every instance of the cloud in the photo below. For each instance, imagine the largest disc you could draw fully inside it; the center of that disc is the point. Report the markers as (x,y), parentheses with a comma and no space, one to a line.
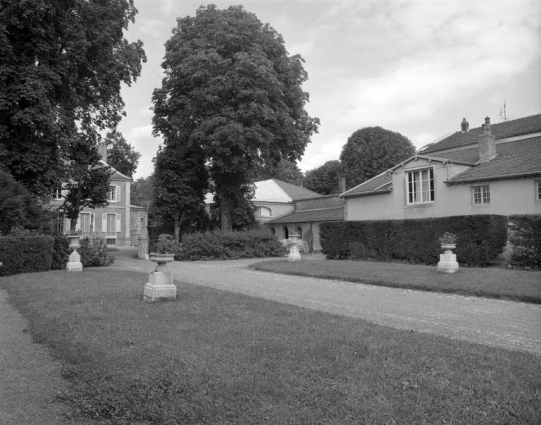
(156,28)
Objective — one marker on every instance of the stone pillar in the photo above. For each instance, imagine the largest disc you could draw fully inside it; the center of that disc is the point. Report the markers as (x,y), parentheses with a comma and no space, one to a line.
(448,263)
(160,281)
(74,262)
(142,247)
(294,249)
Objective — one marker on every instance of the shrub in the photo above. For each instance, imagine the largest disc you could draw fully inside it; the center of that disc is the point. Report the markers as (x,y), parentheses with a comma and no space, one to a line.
(166,244)
(25,254)
(525,236)
(93,253)
(233,245)
(61,252)
(481,238)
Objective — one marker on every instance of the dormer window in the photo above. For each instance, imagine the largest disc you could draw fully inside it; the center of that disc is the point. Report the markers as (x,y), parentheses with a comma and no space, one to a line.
(420,186)
(114,194)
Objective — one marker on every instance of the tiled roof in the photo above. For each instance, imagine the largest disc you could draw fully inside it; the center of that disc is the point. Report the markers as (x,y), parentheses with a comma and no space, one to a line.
(274,190)
(325,214)
(380,184)
(519,158)
(500,130)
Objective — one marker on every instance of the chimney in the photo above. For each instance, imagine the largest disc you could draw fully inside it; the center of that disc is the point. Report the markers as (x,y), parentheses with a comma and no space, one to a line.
(102,149)
(487,143)
(341,184)
(465,126)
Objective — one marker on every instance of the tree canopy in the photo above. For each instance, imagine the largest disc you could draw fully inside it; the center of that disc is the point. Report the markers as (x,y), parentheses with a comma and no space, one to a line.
(61,68)
(287,171)
(231,91)
(324,179)
(120,154)
(372,150)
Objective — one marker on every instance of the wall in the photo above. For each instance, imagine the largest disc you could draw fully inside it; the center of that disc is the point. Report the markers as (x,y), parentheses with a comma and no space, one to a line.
(277,209)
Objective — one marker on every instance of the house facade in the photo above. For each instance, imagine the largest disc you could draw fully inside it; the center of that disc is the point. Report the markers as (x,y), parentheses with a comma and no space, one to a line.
(493,169)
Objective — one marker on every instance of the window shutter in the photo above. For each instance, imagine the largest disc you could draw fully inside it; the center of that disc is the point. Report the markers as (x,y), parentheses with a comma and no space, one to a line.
(104,222)
(118,225)
(78,224)
(117,194)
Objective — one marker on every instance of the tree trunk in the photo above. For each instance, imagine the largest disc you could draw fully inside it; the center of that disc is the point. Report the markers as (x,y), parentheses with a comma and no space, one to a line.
(225,214)
(178,222)
(73,223)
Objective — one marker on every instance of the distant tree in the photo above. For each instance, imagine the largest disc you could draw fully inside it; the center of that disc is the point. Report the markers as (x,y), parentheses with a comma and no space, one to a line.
(61,68)
(372,150)
(142,192)
(231,89)
(19,208)
(120,154)
(286,170)
(180,183)
(324,179)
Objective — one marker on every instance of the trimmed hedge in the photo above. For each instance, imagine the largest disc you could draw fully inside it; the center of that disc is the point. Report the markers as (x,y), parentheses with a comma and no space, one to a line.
(229,245)
(525,235)
(480,239)
(25,254)
(93,252)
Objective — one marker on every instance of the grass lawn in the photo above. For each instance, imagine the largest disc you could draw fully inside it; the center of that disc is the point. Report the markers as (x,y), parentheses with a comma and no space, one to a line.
(215,357)
(517,285)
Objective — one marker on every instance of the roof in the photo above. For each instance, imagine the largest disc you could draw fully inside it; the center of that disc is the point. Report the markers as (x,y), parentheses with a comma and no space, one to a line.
(274,190)
(382,183)
(520,158)
(502,130)
(316,215)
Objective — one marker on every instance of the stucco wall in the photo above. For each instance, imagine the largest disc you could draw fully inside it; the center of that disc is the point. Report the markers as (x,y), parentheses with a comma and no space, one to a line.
(277,209)
(506,197)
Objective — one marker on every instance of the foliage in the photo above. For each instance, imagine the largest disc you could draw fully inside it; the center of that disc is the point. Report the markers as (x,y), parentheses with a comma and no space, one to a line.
(231,91)
(180,182)
(286,170)
(61,252)
(324,179)
(25,254)
(222,245)
(166,244)
(93,252)
(19,208)
(120,154)
(372,150)
(62,66)
(448,238)
(142,192)
(482,238)
(525,236)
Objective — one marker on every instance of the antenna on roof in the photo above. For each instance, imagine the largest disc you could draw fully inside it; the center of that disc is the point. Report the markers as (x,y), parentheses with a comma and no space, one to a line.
(503,112)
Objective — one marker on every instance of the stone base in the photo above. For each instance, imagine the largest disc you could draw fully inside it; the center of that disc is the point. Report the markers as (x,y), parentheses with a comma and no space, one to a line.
(160,285)
(294,254)
(74,262)
(448,263)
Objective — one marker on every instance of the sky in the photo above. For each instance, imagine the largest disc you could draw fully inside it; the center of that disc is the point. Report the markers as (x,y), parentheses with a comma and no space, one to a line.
(416,67)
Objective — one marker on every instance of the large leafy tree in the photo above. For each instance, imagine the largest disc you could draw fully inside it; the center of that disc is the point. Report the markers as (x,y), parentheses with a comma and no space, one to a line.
(120,154)
(232,93)
(180,183)
(61,68)
(324,179)
(142,192)
(287,171)
(372,150)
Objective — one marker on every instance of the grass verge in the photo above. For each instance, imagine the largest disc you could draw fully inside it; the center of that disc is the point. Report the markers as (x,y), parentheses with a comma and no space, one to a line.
(516,285)
(214,357)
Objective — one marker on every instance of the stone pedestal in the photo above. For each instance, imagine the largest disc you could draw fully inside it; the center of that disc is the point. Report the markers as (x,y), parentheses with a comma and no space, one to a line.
(74,261)
(448,263)
(160,281)
(142,247)
(294,249)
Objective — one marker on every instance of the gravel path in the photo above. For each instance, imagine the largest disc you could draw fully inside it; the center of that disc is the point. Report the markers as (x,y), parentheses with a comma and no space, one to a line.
(506,324)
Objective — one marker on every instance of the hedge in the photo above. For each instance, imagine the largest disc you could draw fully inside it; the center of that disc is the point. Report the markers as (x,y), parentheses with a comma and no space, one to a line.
(220,245)
(480,239)
(25,254)
(525,235)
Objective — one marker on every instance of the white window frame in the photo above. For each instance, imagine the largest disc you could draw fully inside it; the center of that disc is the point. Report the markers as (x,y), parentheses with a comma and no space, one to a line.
(260,214)
(113,195)
(80,221)
(117,222)
(537,193)
(480,195)
(431,186)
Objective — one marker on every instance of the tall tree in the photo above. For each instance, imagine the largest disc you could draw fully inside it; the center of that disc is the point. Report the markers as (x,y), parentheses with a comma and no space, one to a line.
(180,183)
(231,90)
(61,68)
(324,179)
(372,150)
(142,192)
(120,154)
(287,171)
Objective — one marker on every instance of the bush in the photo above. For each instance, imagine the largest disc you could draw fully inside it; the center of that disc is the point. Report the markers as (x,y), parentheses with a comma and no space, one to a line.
(481,238)
(61,252)
(220,245)
(525,236)
(25,254)
(93,253)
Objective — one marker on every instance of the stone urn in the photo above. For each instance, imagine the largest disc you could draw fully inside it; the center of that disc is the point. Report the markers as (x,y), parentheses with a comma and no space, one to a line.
(294,254)
(74,262)
(448,263)
(161,259)
(160,281)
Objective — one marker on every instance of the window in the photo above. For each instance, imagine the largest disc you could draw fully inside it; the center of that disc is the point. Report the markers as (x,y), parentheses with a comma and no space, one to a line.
(58,193)
(481,195)
(84,222)
(420,186)
(538,190)
(114,194)
(111,223)
(263,212)
(59,225)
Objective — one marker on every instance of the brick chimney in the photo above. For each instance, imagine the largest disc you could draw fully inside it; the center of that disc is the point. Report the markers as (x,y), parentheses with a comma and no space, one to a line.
(487,143)
(102,149)
(465,126)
